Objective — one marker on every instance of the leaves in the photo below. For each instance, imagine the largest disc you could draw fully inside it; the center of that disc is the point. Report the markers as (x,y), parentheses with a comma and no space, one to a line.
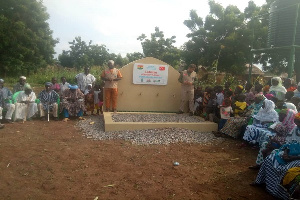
(159,47)
(27,39)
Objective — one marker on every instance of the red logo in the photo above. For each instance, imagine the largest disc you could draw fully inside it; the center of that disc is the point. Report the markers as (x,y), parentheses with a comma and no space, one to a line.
(162,68)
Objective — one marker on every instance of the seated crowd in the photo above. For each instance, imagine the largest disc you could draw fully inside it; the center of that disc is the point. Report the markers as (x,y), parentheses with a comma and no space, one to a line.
(265,118)
(56,99)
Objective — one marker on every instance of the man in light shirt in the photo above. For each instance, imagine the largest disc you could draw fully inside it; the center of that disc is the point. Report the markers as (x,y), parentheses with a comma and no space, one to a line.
(83,79)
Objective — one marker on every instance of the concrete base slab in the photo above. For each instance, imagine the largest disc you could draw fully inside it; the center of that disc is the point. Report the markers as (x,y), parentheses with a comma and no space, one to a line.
(110,125)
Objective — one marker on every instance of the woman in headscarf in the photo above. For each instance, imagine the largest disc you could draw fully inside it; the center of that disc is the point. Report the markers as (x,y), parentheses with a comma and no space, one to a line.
(275,166)
(276,136)
(72,103)
(277,89)
(262,120)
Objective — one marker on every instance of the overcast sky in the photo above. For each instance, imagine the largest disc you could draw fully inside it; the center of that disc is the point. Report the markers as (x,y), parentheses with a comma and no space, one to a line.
(118,23)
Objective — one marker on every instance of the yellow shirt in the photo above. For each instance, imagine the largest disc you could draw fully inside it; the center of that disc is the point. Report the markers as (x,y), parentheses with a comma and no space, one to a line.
(241,105)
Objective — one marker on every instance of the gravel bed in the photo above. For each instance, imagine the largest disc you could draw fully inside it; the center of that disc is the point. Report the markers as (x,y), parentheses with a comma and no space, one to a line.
(152,118)
(93,128)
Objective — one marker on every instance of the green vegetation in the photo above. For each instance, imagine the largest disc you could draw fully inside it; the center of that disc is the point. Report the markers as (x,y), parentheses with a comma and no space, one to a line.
(222,42)
(26,39)
(45,74)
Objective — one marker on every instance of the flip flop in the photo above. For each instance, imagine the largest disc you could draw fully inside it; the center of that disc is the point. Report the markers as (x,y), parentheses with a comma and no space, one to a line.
(81,118)
(66,119)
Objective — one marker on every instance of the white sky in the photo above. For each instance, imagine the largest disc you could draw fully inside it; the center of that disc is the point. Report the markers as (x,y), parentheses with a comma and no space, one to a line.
(118,23)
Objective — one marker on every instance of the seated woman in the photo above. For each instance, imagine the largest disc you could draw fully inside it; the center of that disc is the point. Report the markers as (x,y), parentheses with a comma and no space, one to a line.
(256,106)
(280,131)
(26,107)
(277,89)
(264,118)
(240,105)
(278,163)
(291,182)
(72,103)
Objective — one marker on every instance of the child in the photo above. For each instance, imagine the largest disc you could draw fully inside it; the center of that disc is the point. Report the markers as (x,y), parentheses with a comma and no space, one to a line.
(225,111)
(98,98)
(198,106)
(63,85)
(89,99)
(211,107)
(227,87)
(227,95)
(206,97)
(240,105)
(220,99)
(55,86)
(88,89)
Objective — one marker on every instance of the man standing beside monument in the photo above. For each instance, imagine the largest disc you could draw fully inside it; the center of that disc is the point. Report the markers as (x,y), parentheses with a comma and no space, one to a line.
(83,79)
(111,76)
(187,79)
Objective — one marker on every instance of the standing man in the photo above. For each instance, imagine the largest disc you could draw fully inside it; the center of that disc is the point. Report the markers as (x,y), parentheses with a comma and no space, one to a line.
(5,102)
(20,85)
(187,79)
(83,79)
(111,76)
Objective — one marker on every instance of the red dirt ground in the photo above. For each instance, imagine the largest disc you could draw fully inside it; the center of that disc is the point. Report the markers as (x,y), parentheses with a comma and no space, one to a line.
(41,160)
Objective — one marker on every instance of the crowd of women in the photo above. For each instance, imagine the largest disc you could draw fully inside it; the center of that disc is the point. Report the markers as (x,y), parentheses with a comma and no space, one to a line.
(265,118)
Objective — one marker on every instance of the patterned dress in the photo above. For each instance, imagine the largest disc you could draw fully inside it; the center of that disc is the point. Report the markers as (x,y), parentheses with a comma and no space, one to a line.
(73,101)
(271,174)
(267,114)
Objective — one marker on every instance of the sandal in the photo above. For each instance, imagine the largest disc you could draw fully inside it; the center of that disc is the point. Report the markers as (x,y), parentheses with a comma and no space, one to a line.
(81,118)
(66,119)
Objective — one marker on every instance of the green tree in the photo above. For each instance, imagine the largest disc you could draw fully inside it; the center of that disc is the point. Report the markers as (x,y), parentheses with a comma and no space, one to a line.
(134,56)
(83,54)
(161,48)
(26,39)
(226,37)
(221,38)
(65,59)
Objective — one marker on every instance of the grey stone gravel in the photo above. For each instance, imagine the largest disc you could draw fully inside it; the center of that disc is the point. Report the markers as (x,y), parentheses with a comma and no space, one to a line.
(163,136)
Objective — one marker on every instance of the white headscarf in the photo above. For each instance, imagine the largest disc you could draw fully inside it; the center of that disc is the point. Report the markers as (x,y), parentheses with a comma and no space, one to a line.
(279,87)
(268,113)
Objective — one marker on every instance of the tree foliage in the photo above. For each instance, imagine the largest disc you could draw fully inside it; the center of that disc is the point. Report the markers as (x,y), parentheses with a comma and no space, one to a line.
(26,39)
(83,54)
(134,56)
(159,47)
(226,37)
